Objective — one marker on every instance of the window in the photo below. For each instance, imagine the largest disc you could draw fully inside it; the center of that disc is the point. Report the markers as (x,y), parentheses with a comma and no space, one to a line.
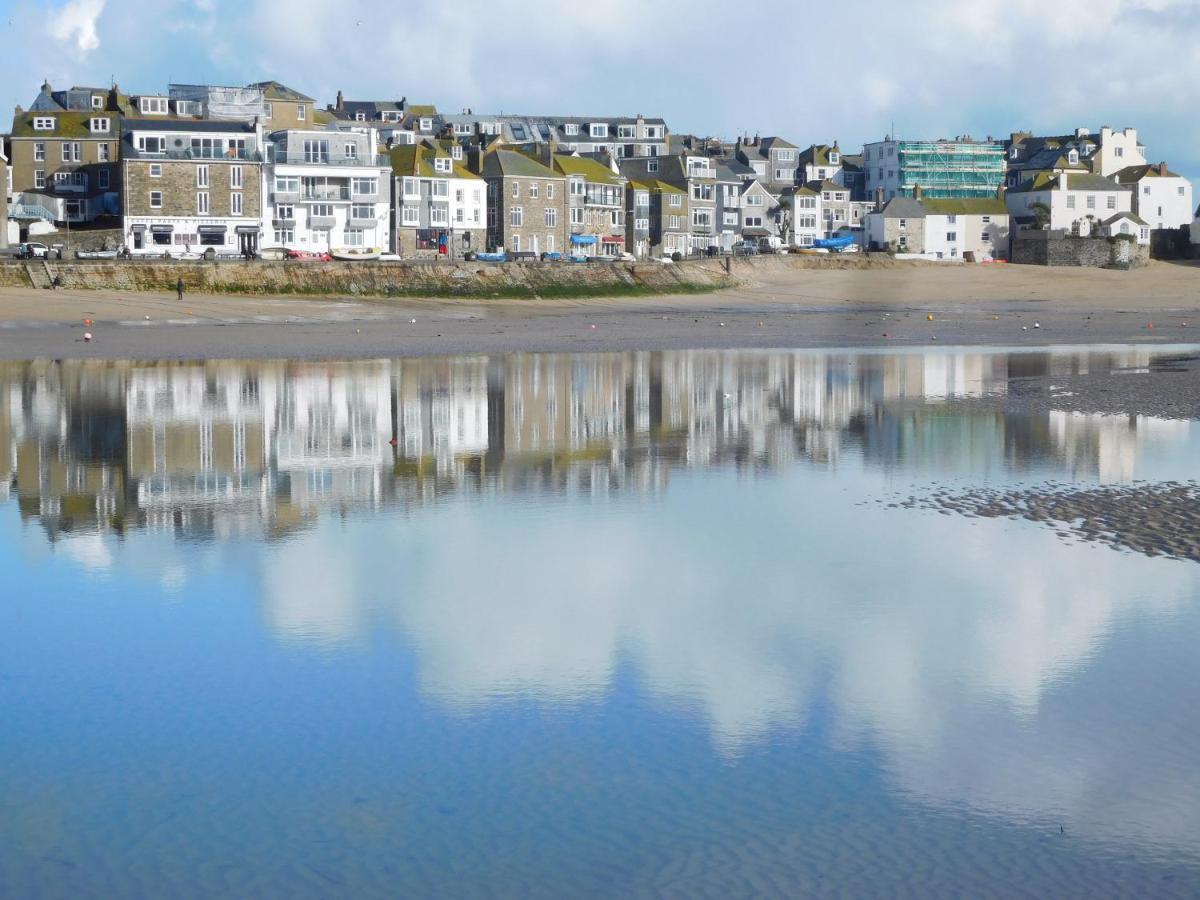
(952,219)
(1112,203)
(410,215)
(1118,152)
(102,179)
(100,126)
(1179,191)
(72,151)
(316,151)
(364,187)
(459,216)
(549,190)
(516,190)
(156,199)
(1070,201)
(235,203)
(353,237)
(39,151)
(202,176)
(986,220)
(102,152)
(571,128)
(285,236)
(39,178)
(729,218)
(641,198)
(202,203)
(641,224)
(576,215)
(1146,191)
(362,211)
(551,217)
(350,151)
(321,211)
(951,237)
(426,124)
(675,222)
(287,184)
(301,111)
(598,130)
(440,188)
(516,216)
(754,200)
(652,165)
(985,237)
(533,190)
(97,101)
(411,187)
(1091,201)
(153,106)
(516,243)
(616,217)
(43,123)
(269,109)
(208,148)
(151,143)
(443,164)
(677,200)
(456,152)
(702,191)
(285,211)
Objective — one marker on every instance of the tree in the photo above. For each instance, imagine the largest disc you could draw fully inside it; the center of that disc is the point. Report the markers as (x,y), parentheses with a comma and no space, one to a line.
(1041,212)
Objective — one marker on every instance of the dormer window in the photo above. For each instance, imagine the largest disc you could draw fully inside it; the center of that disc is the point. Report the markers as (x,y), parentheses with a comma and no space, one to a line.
(442,164)
(97,101)
(152,106)
(625,132)
(571,128)
(43,123)
(1014,151)
(362,117)
(834,156)
(426,123)
(598,130)
(100,126)
(456,152)
(1073,157)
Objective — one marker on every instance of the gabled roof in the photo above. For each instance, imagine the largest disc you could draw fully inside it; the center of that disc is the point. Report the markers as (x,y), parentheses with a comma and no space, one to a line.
(1082,181)
(1137,173)
(500,163)
(416,161)
(273,90)
(973,206)
(655,186)
(1137,220)
(589,169)
(66,124)
(828,185)
(818,155)
(775,143)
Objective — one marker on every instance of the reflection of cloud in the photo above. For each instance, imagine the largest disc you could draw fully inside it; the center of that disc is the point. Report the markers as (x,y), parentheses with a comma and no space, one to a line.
(89,550)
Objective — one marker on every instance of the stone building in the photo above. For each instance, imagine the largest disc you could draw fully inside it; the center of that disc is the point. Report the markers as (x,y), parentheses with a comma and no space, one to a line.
(191,185)
(526,203)
(439,206)
(64,155)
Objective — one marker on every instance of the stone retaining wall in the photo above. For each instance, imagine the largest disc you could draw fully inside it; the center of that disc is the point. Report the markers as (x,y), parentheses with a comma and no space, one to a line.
(1054,248)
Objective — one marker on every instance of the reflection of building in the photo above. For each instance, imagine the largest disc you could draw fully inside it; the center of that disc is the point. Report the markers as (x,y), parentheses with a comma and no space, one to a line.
(207,449)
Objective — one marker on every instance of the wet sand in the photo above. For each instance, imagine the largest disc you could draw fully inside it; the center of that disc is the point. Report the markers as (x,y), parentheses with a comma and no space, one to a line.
(1158,519)
(1011,306)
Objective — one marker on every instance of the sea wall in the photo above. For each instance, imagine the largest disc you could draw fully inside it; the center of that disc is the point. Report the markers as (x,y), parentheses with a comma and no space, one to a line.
(384,279)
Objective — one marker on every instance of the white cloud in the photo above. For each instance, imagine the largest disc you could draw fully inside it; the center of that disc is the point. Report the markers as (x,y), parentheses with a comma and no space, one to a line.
(76,22)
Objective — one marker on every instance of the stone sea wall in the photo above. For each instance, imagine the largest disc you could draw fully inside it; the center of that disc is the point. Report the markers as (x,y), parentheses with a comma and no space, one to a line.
(1053,248)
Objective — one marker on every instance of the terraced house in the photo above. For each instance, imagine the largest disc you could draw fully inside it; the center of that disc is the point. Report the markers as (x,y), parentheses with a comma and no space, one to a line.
(526,203)
(327,189)
(190,185)
(595,206)
(440,206)
(657,224)
(64,155)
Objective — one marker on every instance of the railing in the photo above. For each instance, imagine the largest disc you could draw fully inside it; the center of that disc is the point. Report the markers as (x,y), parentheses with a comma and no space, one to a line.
(196,153)
(292,159)
(29,211)
(325,193)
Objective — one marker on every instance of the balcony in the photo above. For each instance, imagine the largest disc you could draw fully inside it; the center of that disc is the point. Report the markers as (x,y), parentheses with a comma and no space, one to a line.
(356,222)
(321,221)
(284,223)
(300,159)
(196,153)
(325,193)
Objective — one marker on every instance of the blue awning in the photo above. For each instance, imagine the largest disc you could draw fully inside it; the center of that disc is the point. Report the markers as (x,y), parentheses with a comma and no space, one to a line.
(583,239)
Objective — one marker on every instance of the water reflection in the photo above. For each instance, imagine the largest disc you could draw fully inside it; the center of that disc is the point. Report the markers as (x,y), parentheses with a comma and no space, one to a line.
(219,449)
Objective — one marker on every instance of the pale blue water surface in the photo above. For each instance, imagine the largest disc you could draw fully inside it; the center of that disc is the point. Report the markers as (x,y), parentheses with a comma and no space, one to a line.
(595,625)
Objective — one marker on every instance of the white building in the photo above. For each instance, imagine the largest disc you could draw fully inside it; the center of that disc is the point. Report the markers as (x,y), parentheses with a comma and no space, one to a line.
(1126,224)
(1117,150)
(954,228)
(440,206)
(1161,197)
(805,205)
(326,190)
(1075,203)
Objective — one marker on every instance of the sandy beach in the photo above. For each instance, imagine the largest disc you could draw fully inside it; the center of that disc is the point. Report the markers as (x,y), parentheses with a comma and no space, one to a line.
(1000,305)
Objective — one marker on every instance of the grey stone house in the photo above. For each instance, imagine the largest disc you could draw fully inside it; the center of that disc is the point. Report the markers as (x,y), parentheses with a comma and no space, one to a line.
(526,203)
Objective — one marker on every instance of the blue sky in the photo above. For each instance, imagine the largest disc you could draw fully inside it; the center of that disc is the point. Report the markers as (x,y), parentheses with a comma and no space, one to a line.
(935,68)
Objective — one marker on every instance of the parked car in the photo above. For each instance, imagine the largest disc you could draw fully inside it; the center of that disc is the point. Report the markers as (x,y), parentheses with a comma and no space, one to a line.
(851,248)
(33,250)
(745,248)
(771,244)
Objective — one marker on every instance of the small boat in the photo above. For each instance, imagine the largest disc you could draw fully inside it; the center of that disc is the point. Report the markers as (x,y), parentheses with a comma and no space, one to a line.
(500,256)
(273,253)
(356,254)
(96,254)
(308,256)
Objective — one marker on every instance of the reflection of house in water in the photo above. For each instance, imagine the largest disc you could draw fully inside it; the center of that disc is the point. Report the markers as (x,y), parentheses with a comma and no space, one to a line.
(209,449)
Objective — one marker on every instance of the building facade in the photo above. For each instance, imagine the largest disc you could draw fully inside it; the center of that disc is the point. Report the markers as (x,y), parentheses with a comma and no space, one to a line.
(1067,202)
(955,169)
(595,206)
(190,186)
(526,203)
(327,190)
(956,228)
(1160,197)
(439,206)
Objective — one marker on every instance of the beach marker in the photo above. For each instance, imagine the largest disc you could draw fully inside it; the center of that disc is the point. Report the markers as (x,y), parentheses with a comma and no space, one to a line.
(1037,324)
(147,318)
(87,337)
(87,322)
(995,318)
(929,318)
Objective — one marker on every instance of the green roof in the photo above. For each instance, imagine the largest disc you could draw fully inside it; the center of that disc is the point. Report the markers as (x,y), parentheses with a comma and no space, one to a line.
(421,109)
(273,90)
(511,163)
(1137,173)
(818,155)
(66,125)
(590,169)
(974,206)
(416,161)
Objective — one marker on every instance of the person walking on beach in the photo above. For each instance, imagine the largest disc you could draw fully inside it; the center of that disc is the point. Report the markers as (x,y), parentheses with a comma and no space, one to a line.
(179,289)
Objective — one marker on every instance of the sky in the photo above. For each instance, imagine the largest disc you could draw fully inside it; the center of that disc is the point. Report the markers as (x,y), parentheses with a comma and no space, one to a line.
(934,68)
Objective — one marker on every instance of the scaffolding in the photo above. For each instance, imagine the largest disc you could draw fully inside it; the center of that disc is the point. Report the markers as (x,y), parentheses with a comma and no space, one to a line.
(950,169)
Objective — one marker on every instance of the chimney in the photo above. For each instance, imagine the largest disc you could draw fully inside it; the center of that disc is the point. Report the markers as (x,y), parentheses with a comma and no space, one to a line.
(1062,180)
(1162,168)
(341,102)
(878,199)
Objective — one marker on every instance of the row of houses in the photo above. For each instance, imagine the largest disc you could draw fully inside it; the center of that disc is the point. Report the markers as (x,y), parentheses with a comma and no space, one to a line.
(241,169)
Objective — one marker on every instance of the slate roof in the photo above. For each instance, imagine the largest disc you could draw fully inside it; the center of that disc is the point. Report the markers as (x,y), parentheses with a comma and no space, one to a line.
(903,208)
(818,155)
(501,163)
(1137,220)
(590,169)
(1045,181)
(1137,173)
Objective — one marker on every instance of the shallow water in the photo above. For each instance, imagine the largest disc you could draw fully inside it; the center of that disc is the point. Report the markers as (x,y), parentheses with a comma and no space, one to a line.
(620,624)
